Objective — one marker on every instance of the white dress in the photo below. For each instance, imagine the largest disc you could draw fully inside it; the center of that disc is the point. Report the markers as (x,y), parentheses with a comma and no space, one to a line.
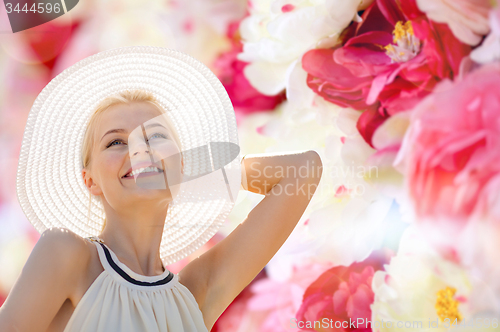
(122,300)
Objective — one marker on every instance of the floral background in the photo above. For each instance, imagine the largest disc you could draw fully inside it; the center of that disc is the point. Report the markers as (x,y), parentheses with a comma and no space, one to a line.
(401,99)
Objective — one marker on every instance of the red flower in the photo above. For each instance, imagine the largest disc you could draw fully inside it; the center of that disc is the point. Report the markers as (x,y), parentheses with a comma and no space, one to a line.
(340,298)
(47,41)
(394,58)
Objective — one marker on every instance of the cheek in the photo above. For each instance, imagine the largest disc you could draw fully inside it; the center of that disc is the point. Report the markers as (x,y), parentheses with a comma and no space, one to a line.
(112,161)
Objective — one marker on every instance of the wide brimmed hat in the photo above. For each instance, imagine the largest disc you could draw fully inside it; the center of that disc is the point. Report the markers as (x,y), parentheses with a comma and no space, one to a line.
(50,187)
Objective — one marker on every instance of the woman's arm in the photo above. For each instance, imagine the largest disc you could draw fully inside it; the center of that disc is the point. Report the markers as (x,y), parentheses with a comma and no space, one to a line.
(261,172)
(288,182)
(47,279)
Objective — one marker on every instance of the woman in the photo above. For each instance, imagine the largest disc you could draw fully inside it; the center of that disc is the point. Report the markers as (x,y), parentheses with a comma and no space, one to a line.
(116,280)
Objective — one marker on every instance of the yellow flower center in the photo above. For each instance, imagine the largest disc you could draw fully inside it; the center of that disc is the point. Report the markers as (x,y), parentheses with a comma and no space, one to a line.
(401,30)
(447,306)
(407,45)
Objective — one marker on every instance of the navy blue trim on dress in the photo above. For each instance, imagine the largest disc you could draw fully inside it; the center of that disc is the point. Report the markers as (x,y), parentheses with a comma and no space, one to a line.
(125,276)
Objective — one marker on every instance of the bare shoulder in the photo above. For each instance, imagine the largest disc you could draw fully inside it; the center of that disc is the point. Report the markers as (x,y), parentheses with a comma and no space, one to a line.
(57,236)
(51,275)
(66,248)
(65,253)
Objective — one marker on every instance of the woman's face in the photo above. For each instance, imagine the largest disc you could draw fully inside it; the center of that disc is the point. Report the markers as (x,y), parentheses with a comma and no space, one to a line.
(134,157)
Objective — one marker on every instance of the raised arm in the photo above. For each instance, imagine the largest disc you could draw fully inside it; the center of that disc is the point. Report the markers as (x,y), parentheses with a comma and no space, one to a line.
(47,279)
(288,182)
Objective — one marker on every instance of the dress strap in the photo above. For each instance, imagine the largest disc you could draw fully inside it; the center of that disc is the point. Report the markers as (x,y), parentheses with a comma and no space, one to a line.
(110,261)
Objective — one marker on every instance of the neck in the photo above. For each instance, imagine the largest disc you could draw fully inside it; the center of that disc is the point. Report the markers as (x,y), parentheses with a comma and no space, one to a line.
(134,234)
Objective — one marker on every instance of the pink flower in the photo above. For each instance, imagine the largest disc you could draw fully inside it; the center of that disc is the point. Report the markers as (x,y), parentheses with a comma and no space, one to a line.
(280,300)
(342,294)
(267,305)
(451,150)
(467,19)
(245,98)
(387,64)
(237,317)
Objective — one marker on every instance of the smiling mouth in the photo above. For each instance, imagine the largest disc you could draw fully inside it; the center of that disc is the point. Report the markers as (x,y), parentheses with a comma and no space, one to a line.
(143,171)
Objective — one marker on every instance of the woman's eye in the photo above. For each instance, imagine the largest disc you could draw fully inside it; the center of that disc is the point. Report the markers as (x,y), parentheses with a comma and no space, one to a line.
(158,135)
(151,137)
(112,143)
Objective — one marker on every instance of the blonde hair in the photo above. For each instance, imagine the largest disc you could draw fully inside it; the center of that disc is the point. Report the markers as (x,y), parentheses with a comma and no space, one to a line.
(124,97)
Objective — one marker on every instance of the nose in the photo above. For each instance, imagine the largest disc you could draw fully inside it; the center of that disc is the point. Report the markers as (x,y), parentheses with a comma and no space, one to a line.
(146,151)
(140,148)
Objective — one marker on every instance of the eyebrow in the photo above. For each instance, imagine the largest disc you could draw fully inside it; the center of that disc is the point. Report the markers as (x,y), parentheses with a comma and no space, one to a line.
(123,130)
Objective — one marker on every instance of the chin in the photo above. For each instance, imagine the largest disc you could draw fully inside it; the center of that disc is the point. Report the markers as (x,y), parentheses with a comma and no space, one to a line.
(154,183)
(153,193)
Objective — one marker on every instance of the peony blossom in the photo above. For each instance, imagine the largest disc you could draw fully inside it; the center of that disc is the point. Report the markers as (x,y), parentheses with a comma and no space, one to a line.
(278,32)
(237,317)
(244,97)
(387,140)
(426,292)
(467,19)
(340,295)
(280,300)
(347,217)
(451,150)
(392,60)
(476,247)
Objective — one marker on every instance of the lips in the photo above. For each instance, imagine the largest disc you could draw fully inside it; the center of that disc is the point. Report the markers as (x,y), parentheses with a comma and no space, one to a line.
(138,166)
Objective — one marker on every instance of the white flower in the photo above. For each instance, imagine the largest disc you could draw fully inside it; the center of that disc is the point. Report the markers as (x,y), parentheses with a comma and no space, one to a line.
(279,32)
(387,140)
(347,217)
(355,217)
(421,287)
(489,50)
(478,249)
(467,19)
(287,129)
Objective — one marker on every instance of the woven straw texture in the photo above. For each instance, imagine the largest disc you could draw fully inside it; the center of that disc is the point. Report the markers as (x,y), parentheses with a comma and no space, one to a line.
(49,183)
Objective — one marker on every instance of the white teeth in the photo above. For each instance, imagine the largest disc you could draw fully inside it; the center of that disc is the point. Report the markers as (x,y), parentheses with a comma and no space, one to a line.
(144,170)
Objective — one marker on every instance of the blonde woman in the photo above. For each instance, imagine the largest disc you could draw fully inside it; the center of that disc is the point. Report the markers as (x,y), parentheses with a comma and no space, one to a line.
(86,276)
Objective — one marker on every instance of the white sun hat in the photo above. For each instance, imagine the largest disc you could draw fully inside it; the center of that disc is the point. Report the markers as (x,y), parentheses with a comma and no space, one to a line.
(50,186)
